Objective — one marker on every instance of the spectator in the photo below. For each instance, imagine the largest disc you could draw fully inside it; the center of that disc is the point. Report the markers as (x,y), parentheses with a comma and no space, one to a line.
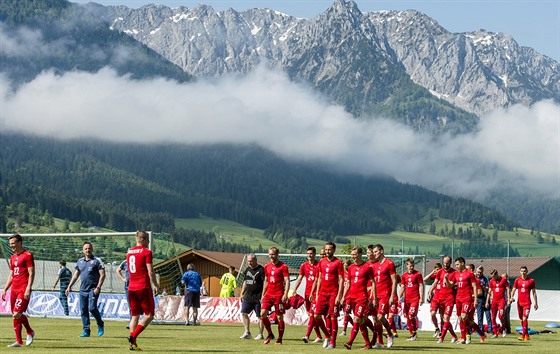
(192,281)
(64,275)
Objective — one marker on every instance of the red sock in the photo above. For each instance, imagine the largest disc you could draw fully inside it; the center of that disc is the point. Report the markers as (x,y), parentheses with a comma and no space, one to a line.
(363,329)
(328,323)
(451,330)
(379,331)
(310,326)
(434,321)
(281,327)
(524,326)
(463,327)
(334,331)
(476,328)
(388,328)
(25,322)
(354,332)
(17,329)
(137,331)
(322,326)
(266,323)
(444,328)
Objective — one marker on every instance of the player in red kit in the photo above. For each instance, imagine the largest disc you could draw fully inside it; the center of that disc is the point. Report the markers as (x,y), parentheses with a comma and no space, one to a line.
(20,278)
(413,290)
(497,290)
(524,285)
(309,270)
(359,299)
(465,282)
(386,287)
(446,298)
(275,293)
(140,294)
(330,285)
(433,298)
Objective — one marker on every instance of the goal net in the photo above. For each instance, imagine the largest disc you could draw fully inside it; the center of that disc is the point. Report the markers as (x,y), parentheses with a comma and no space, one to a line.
(294,261)
(111,247)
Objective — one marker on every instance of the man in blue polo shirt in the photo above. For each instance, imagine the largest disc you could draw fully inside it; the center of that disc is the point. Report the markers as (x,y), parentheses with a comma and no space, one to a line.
(92,274)
(192,281)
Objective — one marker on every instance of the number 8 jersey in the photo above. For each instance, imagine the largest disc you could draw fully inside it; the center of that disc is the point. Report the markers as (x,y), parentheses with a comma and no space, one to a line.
(137,258)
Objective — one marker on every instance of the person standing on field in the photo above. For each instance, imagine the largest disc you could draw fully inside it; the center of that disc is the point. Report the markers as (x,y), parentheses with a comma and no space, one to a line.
(526,285)
(251,293)
(92,274)
(446,298)
(275,293)
(228,283)
(413,291)
(20,278)
(140,293)
(64,275)
(192,282)
(309,270)
(497,292)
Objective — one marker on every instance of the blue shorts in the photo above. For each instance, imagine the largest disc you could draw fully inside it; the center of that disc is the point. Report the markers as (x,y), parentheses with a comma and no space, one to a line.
(247,307)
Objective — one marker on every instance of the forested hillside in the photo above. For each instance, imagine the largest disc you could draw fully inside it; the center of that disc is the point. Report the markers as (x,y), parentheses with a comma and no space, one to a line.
(138,186)
(60,36)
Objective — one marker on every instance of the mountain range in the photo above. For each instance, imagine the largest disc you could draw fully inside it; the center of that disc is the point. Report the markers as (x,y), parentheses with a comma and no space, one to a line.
(372,55)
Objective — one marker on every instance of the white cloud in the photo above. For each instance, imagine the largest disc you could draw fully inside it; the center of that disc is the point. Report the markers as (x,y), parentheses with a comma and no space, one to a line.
(518,146)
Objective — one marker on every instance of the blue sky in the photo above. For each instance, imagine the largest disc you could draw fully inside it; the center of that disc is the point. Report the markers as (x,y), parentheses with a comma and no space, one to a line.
(532,23)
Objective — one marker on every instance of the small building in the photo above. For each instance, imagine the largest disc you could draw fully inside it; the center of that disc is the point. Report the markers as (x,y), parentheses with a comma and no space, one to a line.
(211,266)
(545,270)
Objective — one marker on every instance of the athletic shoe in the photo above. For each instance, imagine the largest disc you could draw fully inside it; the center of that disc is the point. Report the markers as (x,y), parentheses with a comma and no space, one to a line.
(461,341)
(342,334)
(15,345)
(454,339)
(522,337)
(197,323)
(377,346)
(468,338)
(269,338)
(441,341)
(100,331)
(246,335)
(259,336)
(331,346)
(504,333)
(326,343)
(278,342)
(437,333)
(30,338)
(483,338)
(317,340)
(366,347)
(527,337)
(389,341)
(348,346)
(395,335)
(494,336)
(134,348)
(84,334)
(305,339)
(412,337)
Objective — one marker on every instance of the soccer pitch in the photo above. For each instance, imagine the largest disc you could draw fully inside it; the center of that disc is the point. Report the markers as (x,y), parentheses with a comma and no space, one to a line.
(61,336)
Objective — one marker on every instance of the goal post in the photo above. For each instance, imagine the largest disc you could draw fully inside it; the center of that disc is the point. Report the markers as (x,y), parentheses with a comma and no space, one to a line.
(111,247)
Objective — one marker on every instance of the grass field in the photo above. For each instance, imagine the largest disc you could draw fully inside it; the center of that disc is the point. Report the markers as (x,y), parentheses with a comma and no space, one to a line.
(61,336)
(427,244)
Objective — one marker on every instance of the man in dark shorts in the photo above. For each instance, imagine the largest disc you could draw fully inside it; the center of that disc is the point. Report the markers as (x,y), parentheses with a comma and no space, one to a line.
(192,281)
(251,293)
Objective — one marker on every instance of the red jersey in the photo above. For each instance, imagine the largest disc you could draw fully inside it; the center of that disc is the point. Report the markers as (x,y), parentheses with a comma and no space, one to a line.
(19,264)
(498,289)
(275,274)
(445,293)
(383,281)
(464,280)
(309,272)
(329,272)
(137,259)
(411,283)
(433,277)
(524,287)
(359,277)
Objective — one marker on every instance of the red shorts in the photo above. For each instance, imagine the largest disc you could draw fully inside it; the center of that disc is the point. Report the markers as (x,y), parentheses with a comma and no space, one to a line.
(141,302)
(410,309)
(436,305)
(308,304)
(359,306)
(498,307)
(383,305)
(326,305)
(448,306)
(269,301)
(347,307)
(523,310)
(464,307)
(18,302)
